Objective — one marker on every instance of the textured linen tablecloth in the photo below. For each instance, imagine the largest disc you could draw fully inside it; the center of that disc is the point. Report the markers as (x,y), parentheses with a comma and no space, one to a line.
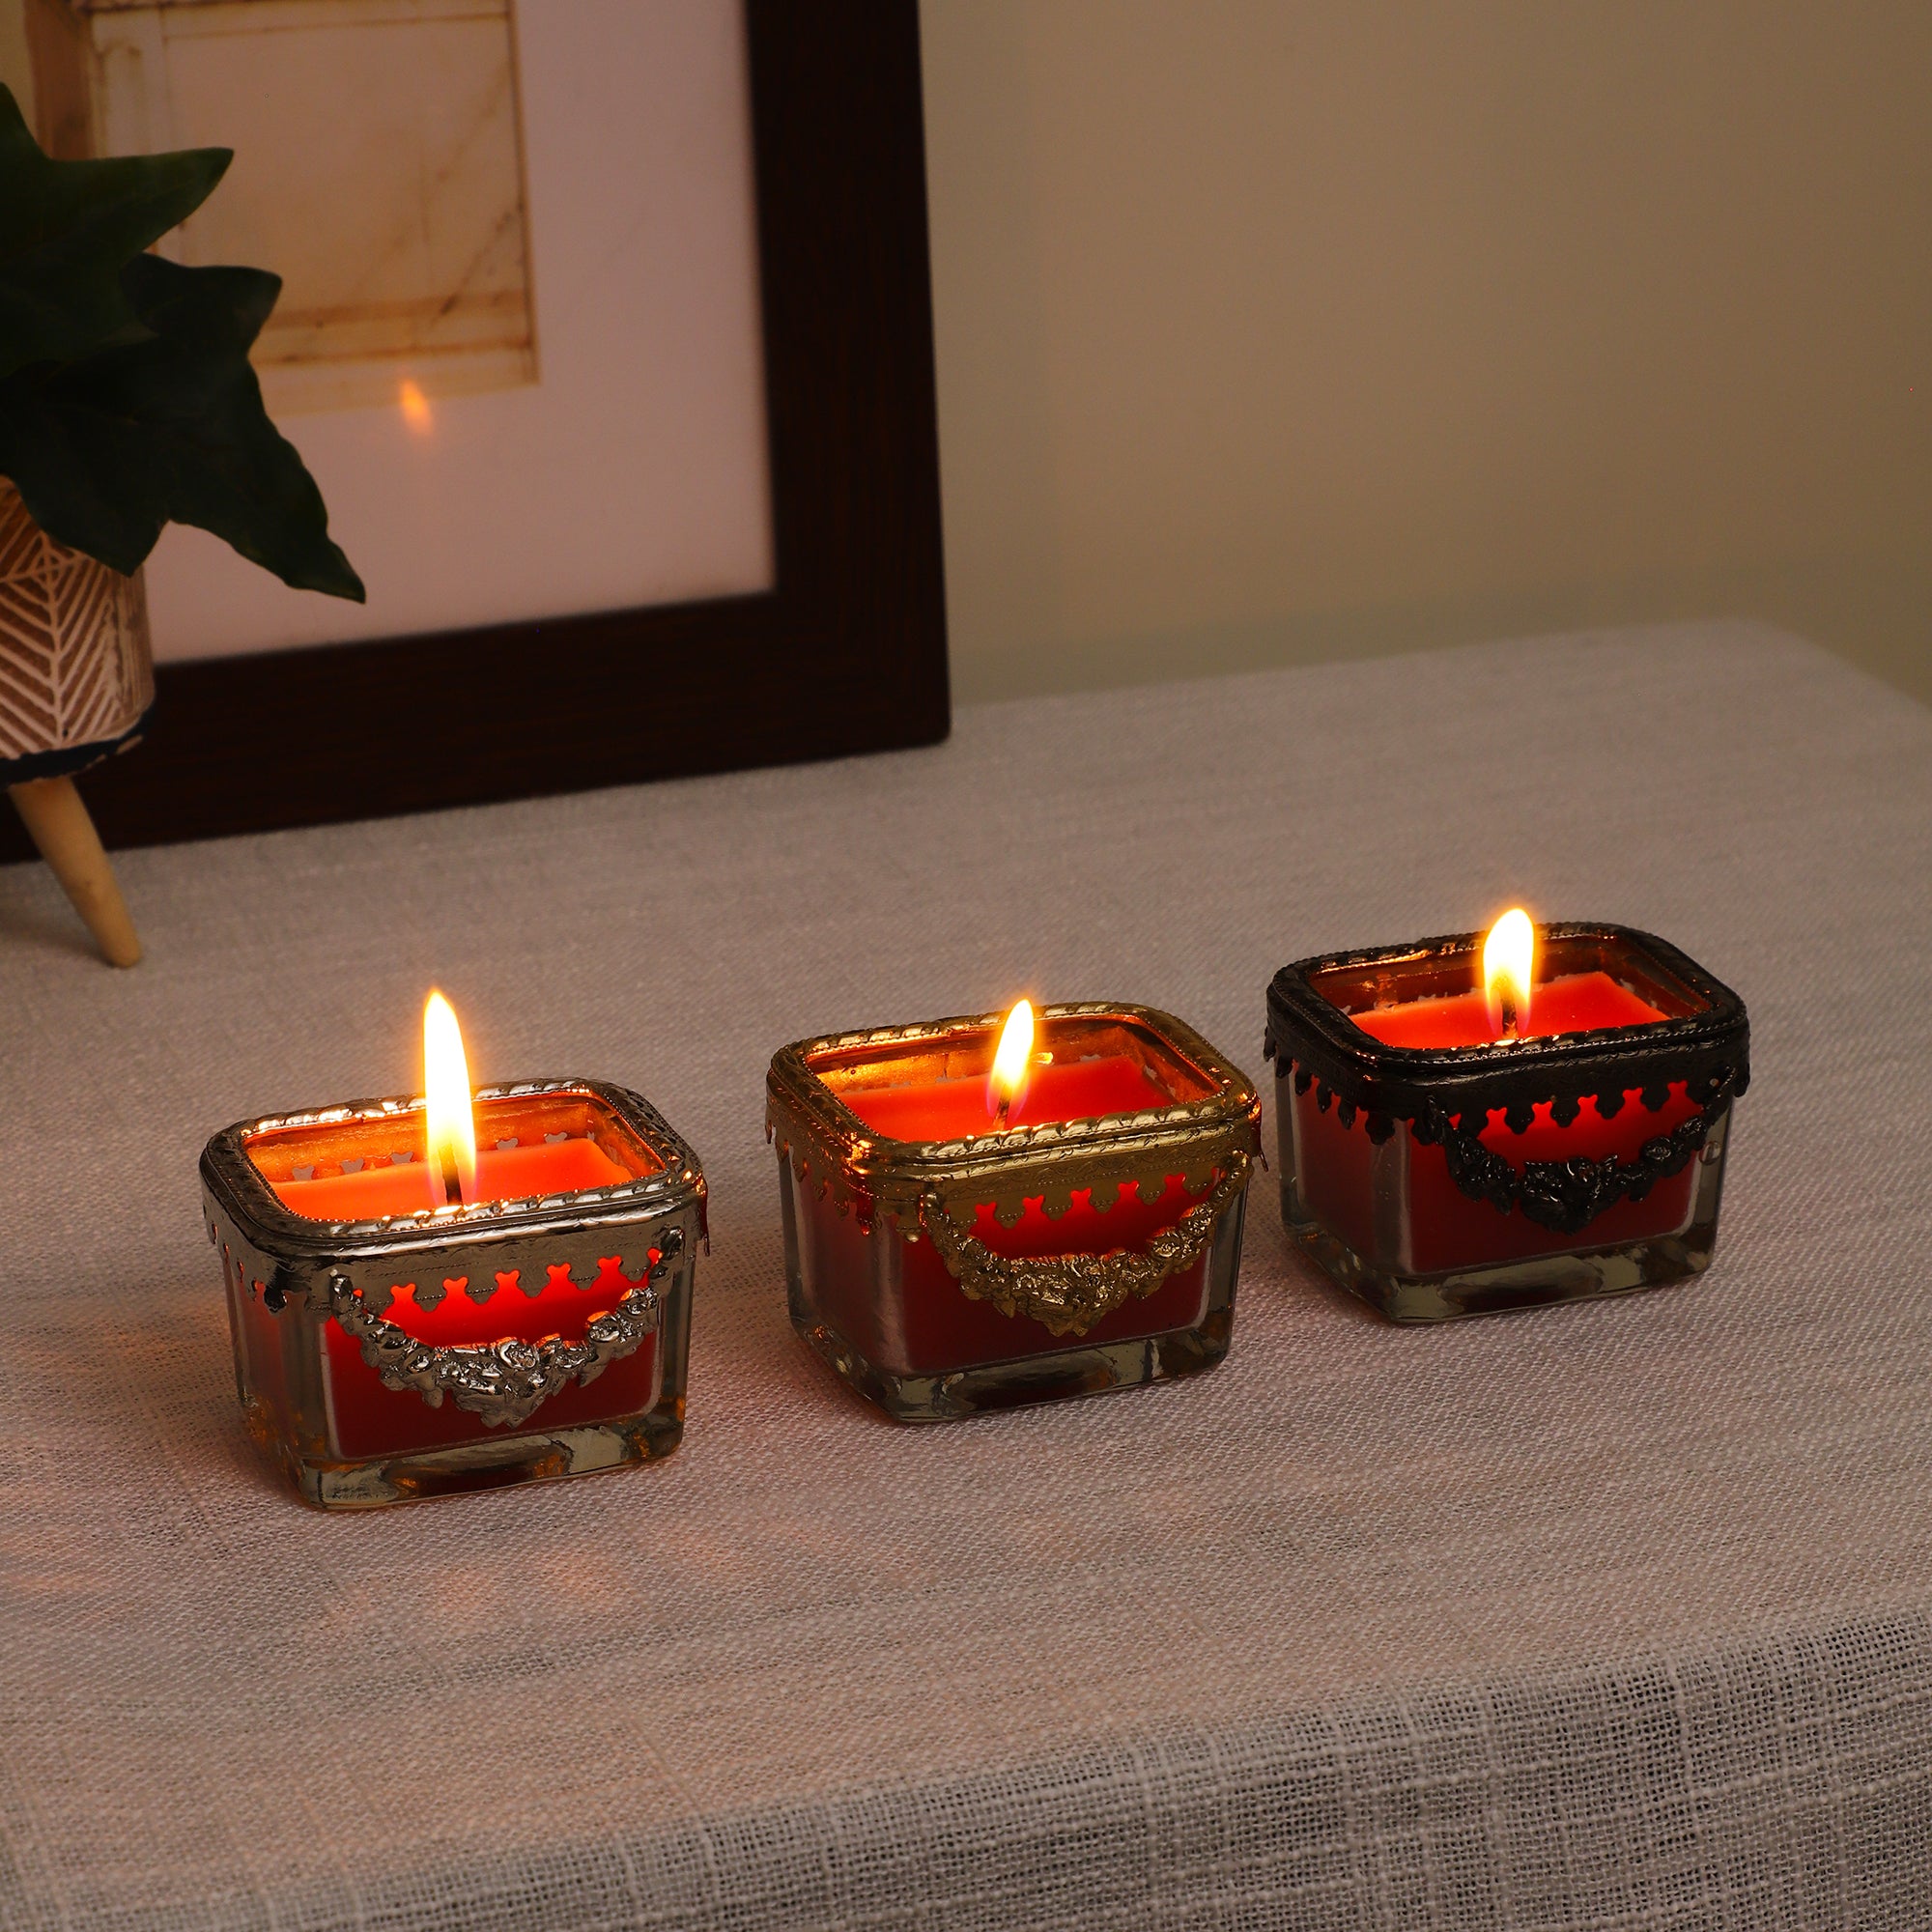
(1613,1616)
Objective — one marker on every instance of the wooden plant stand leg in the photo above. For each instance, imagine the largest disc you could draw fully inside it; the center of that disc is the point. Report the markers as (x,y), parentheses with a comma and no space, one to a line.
(58,823)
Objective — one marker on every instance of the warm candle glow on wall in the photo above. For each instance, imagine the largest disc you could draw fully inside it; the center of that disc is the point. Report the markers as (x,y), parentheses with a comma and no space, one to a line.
(414,406)
(451,1125)
(1509,966)
(1013,1064)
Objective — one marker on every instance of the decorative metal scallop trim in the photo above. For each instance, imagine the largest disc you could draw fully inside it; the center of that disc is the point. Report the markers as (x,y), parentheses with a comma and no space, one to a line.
(503,1382)
(1069,1293)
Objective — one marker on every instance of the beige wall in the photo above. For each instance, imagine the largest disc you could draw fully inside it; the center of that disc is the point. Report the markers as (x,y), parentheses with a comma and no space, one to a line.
(1270,332)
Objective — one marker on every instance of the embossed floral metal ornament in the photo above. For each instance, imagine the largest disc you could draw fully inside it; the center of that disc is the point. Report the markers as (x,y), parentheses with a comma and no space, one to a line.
(975,1217)
(1468,1124)
(415,1314)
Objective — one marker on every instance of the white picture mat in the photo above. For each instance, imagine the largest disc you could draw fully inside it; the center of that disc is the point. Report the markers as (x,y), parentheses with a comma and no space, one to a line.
(635,470)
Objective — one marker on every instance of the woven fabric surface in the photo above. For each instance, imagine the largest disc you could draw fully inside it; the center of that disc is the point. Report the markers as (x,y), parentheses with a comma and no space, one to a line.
(1611,1617)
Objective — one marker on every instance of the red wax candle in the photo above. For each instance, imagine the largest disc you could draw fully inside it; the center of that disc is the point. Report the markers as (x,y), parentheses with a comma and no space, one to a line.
(937,1328)
(1573,1002)
(872,1290)
(372,1420)
(364,1420)
(468,1289)
(455,1277)
(1446,1227)
(952,1109)
(401,1182)
(1422,1172)
(1449,1230)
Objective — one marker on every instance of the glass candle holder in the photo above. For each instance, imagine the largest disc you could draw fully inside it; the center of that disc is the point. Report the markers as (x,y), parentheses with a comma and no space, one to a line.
(944,1263)
(1436,1172)
(387,1350)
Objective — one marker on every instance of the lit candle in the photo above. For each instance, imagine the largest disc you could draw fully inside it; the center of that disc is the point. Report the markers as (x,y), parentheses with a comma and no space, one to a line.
(1555,1130)
(415,1314)
(981,1212)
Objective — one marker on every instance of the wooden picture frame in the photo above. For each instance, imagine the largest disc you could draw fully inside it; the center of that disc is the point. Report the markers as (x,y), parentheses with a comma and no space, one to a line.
(846,653)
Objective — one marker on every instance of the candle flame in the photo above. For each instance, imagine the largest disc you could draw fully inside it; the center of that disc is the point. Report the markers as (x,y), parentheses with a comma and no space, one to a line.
(1013,1064)
(1508,968)
(451,1125)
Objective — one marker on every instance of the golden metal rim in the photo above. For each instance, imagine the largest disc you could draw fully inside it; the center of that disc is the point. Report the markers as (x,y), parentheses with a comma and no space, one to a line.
(830,1148)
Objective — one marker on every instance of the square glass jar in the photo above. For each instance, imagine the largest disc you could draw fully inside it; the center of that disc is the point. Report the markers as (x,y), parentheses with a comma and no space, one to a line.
(386,1353)
(1442,1180)
(943,1264)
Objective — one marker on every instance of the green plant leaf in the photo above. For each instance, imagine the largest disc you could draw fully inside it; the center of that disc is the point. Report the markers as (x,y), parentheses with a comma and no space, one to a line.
(67,230)
(106,450)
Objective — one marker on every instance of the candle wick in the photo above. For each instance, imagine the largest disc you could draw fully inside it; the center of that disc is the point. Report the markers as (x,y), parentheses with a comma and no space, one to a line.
(1508,1017)
(1006,1108)
(452,1181)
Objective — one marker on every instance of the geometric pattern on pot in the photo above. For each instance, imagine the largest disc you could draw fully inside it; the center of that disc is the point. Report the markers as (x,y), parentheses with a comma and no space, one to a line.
(75,668)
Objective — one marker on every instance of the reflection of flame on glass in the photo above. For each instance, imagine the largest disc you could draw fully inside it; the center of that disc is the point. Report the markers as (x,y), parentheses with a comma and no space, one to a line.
(451,1127)
(414,406)
(1509,966)
(1013,1064)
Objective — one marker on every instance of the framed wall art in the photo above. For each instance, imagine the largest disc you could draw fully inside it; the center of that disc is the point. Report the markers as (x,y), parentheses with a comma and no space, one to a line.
(606,330)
